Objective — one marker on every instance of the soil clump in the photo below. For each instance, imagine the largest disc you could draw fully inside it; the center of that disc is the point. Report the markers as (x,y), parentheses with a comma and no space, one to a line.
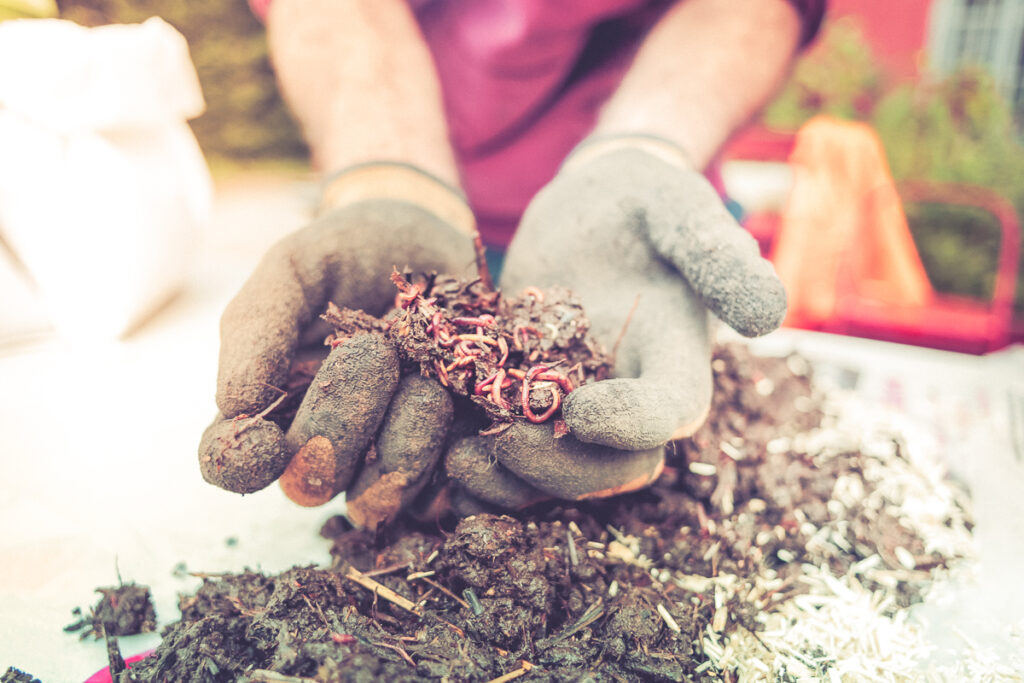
(124,610)
(13,675)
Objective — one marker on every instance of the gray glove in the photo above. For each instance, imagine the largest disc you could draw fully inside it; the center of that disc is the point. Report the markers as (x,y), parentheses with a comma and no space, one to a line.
(379,216)
(645,242)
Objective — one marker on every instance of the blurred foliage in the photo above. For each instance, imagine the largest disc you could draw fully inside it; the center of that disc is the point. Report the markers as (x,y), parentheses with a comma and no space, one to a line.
(838,76)
(958,245)
(27,9)
(957,129)
(245,117)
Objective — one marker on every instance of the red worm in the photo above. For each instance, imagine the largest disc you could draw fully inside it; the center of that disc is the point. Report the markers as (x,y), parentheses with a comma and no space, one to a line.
(503,347)
(482,385)
(459,363)
(485,320)
(524,329)
(535,293)
(481,338)
(534,371)
(556,402)
(552,376)
(464,348)
(435,324)
(496,386)
(442,374)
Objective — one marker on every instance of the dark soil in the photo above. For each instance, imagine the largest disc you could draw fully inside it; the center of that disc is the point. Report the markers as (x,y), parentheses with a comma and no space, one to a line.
(611,590)
(124,610)
(13,675)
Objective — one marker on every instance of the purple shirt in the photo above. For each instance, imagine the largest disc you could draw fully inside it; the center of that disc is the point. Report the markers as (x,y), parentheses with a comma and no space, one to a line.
(523,81)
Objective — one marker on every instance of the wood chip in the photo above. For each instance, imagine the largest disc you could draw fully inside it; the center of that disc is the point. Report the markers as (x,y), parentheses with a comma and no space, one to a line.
(267,676)
(667,618)
(904,557)
(730,450)
(524,668)
(720,619)
(382,590)
(703,469)
(419,575)
(447,592)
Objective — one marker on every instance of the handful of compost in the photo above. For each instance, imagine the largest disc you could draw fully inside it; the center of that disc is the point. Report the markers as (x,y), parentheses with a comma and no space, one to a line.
(628,224)
(514,358)
(500,359)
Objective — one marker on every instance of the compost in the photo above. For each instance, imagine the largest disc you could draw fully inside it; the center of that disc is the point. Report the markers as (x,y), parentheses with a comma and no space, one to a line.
(700,577)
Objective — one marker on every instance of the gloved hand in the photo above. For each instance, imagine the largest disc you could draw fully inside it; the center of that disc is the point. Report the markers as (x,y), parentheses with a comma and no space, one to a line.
(645,242)
(376,217)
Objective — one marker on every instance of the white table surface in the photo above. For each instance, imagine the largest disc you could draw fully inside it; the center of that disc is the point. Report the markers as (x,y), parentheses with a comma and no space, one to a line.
(99,474)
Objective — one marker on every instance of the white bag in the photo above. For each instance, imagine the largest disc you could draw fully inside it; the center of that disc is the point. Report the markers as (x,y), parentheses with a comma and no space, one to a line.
(103,188)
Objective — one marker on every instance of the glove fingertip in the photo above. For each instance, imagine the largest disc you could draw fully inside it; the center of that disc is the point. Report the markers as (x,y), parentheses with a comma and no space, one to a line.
(347,401)
(243,455)
(309,479)
(570,469)
(471,463)
(753,307)
(620,413)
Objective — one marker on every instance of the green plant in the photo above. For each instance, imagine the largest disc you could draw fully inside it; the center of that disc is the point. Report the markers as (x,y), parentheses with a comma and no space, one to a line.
(957,130)
(839,76)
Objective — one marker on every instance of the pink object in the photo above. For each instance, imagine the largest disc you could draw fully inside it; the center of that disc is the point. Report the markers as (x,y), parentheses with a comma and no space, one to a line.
(944,321)
(103,675)
(517,93)
(523,81)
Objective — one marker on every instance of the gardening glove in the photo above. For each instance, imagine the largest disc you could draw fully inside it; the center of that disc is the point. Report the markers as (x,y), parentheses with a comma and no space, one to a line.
(644,241)
(374,217)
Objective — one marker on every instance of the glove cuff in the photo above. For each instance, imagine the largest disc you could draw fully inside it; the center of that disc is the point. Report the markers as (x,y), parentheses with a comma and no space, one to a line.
(400,182)
(594,147)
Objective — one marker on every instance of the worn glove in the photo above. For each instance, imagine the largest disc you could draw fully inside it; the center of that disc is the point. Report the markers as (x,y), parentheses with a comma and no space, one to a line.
(644,241)
(377,216)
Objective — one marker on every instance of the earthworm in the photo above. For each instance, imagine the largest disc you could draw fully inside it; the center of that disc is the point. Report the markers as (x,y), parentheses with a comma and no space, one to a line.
(484,320)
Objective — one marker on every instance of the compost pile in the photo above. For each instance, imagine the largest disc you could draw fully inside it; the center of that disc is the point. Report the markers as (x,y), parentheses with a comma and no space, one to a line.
(769,517)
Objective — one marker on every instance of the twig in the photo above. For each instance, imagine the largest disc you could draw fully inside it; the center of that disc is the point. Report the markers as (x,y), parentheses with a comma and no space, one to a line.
(458,631)
(573,558)
(422,602)
(592,614)
(382,590)
(387,570)
(625,326)
(447,592)
(420,575)
(667,618)
(481,264)
(399,650)
(267,676)
(316,607)
(523,669)
(253,419)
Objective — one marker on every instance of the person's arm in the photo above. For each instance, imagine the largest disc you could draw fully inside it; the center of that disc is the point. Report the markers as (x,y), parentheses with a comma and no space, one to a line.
(704,70)
(361,80)
(632,227)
